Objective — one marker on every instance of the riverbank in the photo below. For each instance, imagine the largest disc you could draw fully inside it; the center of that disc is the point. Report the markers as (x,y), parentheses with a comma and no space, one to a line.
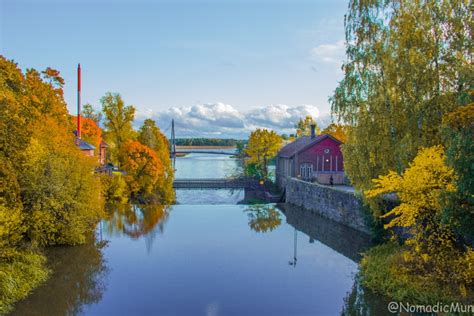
(338,203)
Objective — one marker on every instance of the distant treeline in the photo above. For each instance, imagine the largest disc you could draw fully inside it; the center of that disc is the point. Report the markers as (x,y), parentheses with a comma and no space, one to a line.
(208,141)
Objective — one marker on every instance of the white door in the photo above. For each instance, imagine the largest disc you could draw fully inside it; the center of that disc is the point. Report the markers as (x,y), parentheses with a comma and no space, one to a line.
(306,171)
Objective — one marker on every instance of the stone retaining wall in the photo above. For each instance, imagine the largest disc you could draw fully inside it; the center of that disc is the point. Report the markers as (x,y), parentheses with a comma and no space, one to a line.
(333,203)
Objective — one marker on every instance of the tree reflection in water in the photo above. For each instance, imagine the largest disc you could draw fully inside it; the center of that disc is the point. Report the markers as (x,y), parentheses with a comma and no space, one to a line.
(361,301)
(263,217)
(135,220)
(73,283)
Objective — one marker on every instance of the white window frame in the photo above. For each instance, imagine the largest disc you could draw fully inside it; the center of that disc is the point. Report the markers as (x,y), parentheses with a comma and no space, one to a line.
(306,170)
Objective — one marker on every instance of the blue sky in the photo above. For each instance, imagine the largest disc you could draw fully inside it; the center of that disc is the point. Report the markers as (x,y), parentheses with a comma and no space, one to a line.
(218,67)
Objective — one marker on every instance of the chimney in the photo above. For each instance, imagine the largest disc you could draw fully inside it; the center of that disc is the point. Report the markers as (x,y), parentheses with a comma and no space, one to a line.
(79,101)
(313,131)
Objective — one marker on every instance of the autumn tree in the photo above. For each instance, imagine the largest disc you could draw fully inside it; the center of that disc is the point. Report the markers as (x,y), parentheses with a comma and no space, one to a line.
(151,136)
(407,65)
(48,192)
(117,122)
(53,76)
(143,169)
(90,131)
(337,131)
(303,127)
(261,147)
(431,249)
(60,192)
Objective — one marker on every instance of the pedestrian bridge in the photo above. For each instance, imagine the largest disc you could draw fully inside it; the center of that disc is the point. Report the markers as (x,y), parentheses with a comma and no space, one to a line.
(214,183)
(199,151)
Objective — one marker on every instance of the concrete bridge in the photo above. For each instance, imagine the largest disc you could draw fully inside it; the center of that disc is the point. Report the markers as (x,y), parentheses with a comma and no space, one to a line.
(214,183)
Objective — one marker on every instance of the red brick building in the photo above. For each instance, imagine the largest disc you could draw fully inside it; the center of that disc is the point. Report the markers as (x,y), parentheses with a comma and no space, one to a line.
(311,158)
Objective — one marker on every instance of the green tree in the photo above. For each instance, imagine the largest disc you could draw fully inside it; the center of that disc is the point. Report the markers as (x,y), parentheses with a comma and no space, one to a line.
(89,113)
(303,127)
(151,136)
(117,122)
(407,64)
(261,147)
(459,138)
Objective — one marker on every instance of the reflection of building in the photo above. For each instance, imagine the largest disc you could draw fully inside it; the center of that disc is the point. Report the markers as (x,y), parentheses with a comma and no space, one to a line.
(341,238)
(312,158)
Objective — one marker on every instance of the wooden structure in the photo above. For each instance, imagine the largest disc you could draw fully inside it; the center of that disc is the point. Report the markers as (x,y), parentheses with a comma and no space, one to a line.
(312,158)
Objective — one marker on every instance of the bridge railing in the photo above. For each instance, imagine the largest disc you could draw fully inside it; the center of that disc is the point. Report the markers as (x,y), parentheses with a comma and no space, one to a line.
(213,183)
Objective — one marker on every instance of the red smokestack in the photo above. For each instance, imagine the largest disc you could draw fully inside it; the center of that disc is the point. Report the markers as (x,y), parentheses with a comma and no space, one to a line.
(79,101)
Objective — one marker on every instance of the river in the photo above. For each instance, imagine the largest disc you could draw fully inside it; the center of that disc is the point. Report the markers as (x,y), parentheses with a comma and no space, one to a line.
(208,255)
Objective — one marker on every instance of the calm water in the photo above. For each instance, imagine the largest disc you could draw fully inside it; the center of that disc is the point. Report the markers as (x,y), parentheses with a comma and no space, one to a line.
(195,258)
(205,166)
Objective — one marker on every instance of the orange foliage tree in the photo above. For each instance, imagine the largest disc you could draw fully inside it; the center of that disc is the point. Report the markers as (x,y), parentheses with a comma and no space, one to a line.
(143,169)
(337,131)
(90,132)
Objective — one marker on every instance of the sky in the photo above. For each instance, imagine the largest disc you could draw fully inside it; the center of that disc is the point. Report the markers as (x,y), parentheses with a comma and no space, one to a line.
(220,68)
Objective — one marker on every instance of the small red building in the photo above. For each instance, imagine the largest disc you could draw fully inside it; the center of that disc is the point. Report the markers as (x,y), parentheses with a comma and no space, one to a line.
(311,158)
(86,148)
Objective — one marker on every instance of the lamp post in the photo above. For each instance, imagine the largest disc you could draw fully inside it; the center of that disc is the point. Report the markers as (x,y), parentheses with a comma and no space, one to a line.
(295,244)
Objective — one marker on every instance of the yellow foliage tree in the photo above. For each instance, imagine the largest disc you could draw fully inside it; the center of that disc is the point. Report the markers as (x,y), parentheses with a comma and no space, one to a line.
(48,192)
(432,248)
(60,192)
(337,131)
(419,188)
(151,136)
(261,147)
(303,127)
(118,120)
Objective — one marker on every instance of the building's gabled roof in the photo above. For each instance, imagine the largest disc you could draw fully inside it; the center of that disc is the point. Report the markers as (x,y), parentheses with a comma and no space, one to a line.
(301,144)
(85,145)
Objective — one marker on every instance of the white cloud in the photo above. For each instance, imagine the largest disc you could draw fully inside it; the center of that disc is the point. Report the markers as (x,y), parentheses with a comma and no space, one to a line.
(279,116)
(330,53)
(223,120)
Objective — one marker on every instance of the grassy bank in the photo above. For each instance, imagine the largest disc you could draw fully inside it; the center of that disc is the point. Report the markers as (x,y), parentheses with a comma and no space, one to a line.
(383,270)
(19,276)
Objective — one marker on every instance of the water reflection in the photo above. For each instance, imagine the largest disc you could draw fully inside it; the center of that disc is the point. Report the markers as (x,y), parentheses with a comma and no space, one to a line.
(263,217)
(135,220)
(209,196)
(201,165)
(78,279)
(248,270)
(361,302)
(340,238)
